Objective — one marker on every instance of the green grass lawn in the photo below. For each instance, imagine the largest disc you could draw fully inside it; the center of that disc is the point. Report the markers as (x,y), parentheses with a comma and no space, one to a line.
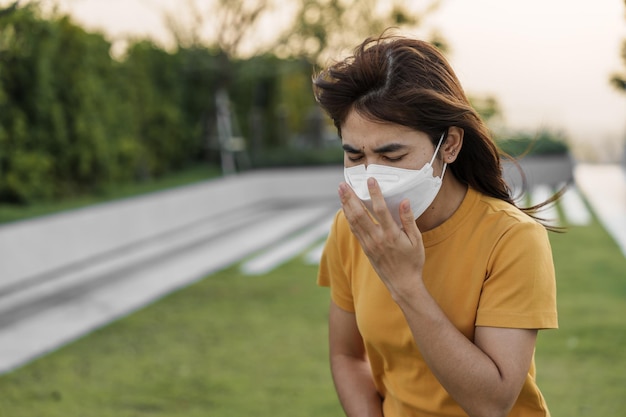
(233,345)
(582,366)
(230,345)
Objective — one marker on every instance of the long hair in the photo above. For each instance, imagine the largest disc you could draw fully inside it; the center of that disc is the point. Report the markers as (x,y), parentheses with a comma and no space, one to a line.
(409,82)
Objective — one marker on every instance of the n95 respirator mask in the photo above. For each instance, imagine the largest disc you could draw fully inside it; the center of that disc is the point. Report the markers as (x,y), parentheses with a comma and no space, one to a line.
(419,186)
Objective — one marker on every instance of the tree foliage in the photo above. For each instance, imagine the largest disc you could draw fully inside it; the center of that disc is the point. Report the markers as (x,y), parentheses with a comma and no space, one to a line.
(325,28)
(75,120)
(53,78)
(72,119)
(319,28)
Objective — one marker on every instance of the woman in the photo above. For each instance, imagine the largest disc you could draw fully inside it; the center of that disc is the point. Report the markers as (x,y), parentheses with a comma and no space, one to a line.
(438,281)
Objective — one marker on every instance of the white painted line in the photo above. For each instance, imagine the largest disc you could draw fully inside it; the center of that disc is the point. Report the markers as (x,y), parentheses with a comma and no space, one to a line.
(285,251)
(605,189)
(549,213)
(574,208)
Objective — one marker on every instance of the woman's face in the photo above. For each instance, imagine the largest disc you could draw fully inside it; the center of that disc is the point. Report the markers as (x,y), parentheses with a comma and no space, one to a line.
(367,142)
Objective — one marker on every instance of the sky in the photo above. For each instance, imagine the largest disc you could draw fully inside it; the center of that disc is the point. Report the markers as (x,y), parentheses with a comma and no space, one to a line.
(547,62)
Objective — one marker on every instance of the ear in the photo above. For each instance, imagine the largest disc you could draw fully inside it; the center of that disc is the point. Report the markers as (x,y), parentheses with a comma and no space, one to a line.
(453,144)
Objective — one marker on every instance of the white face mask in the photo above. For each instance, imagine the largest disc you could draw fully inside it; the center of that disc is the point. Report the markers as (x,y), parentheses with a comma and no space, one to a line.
(419,186)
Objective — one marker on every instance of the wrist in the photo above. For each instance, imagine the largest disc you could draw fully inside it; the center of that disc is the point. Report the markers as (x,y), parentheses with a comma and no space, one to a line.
(409,292)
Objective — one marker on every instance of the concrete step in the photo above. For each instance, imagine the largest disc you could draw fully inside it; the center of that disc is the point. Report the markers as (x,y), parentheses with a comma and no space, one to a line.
(36,319)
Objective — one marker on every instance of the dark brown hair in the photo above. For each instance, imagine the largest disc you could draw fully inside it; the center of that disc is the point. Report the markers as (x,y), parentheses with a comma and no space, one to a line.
(409,82)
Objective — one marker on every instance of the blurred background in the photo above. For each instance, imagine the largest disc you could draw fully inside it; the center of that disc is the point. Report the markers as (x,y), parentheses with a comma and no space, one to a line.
(95,94)
(144,147)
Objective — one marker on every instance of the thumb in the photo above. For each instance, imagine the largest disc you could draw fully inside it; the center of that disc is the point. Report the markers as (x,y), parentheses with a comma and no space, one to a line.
(408,221)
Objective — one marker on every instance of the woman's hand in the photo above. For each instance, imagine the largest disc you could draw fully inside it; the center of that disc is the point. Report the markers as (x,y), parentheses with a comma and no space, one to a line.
(397,254)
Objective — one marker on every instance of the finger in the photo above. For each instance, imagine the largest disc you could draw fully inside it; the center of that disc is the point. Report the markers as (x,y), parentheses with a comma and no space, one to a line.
(379,206)
(353,208)
(408,222)
(348,197)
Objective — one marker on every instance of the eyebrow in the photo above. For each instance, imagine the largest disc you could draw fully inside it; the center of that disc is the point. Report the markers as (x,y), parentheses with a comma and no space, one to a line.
(390,147)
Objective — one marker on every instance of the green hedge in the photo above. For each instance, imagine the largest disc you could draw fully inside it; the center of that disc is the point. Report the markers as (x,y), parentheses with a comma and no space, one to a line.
(74,120)
(544,142)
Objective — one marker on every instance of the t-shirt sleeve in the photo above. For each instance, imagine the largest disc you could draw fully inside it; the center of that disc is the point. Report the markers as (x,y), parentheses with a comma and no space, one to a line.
(520,287)
(332,270)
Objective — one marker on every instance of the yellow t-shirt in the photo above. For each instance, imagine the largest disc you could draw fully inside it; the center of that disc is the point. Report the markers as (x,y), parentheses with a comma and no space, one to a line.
(488,265)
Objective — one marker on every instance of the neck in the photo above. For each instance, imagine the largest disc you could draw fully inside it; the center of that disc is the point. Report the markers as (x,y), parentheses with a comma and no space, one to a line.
(448,200)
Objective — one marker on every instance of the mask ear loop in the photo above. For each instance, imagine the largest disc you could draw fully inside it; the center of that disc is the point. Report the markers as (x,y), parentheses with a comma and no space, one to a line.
(443,171)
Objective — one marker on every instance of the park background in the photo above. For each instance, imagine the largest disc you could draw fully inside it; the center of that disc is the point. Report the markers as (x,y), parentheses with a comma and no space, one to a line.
(106,100)
(95,94)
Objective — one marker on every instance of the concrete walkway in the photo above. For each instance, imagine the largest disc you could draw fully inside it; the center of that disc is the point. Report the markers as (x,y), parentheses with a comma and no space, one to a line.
(62,276)
(605,189)
(265,217)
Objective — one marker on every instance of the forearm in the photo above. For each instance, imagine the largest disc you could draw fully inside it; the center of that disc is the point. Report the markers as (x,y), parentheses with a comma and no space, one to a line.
(467,372)
(355,387)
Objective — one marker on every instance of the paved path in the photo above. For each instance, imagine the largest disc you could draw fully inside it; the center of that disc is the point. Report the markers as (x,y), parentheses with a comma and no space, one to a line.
(43,317)
(46,316)
(605,189)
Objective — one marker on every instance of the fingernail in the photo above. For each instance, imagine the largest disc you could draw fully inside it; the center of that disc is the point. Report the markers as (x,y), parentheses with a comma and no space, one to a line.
(371,182)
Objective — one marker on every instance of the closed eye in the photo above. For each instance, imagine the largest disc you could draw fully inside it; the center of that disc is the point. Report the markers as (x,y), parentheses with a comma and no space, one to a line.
(393,158)
(355,158)
(354,154)
(392,152)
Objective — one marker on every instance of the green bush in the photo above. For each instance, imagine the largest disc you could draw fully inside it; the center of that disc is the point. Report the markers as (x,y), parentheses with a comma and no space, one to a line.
(28,178)
(75,120)
(545,142)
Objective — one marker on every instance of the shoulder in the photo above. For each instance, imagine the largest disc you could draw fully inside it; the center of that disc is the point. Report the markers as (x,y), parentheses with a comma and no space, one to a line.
(505,216)
(340,228)
(514,235)
(500,226)
(340,237)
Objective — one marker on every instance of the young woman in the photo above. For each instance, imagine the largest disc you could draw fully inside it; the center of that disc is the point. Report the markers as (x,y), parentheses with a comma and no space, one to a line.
(438,281)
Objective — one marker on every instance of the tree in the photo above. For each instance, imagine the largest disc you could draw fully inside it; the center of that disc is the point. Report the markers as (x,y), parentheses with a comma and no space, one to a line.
(323,28)
(55,80)
(223,26)
(319,28)
(73,120)
(229,23)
